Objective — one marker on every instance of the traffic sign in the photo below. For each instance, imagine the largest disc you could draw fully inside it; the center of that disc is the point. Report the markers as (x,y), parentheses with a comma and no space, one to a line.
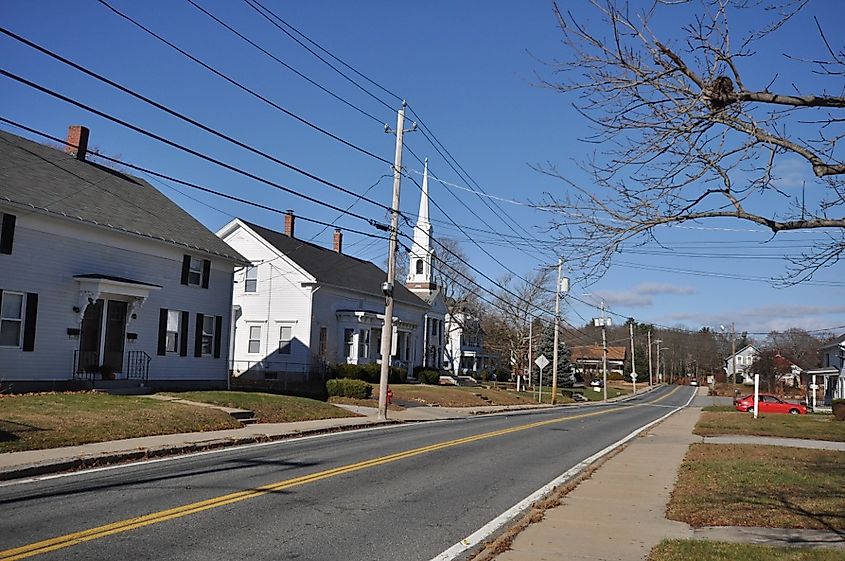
(541,362)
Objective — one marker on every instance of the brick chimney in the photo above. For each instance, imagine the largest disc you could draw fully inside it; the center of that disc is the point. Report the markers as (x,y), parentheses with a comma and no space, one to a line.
(289,220)
(77,141)
(338,240)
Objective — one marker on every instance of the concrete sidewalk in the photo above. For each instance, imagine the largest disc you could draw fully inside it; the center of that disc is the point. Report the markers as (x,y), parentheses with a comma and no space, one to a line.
(619,514)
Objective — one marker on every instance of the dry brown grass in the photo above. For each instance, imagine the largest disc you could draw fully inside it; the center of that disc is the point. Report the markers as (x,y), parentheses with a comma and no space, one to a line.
(50,420)
(451,396)
(754,485)
(818,427)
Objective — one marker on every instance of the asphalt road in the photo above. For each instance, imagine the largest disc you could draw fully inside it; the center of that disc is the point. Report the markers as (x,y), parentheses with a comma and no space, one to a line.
(395,493)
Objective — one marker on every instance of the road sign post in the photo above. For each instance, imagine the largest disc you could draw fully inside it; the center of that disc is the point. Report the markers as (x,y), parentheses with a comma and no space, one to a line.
(541,363)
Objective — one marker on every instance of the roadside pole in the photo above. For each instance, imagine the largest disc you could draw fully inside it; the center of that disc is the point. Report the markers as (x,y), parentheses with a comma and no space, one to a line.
(756,394)
(657,373)
(541,363)
(604,351)
(633,358)
(557,333)
(650,370)
(387,287)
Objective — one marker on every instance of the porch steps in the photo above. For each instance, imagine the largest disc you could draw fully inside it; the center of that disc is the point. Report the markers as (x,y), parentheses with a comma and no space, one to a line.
(467,381)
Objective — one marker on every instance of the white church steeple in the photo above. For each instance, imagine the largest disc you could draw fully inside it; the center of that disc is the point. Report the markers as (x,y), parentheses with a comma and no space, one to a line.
(420,268)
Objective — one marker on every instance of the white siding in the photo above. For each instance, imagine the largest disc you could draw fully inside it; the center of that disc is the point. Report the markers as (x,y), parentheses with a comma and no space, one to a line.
(280,299)
(48,252)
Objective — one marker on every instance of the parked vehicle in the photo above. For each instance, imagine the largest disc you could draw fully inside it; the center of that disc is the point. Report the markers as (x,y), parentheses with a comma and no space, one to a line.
(769,403)
(596,383)
(693,382)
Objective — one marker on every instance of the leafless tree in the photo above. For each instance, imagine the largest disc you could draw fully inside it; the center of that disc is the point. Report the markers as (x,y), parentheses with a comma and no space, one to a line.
(517,302)
(680,134)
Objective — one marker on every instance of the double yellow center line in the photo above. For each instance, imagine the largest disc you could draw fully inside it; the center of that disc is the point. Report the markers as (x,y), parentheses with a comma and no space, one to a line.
(75,538)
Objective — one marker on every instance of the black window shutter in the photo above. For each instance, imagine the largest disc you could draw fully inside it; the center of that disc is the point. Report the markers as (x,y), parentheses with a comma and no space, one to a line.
(29,322)
(198,337)
(7,233)
(183,334)
(206,272)
(162,331)
(186,268)
(218,336)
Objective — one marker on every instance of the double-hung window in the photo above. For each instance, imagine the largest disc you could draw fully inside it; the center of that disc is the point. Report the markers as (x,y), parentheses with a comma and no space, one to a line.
(285,337)
(208,335)
(251,279)
(195,272)
(11,319)
(254,345)
(174,328)
(364,343)
(348,346)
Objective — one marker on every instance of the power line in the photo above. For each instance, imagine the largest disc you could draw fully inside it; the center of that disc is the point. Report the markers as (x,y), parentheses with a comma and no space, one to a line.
(258,8)
(243,87)
(169,111)
(283,63)
(329,53)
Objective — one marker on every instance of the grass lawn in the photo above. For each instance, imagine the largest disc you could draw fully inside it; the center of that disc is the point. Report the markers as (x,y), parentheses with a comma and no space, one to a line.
(269,408)
(50,420)
(685,550)
(753,485)
(452,396)
(717,420)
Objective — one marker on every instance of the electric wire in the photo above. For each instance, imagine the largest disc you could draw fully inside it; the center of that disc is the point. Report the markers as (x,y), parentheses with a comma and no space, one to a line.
(171,112)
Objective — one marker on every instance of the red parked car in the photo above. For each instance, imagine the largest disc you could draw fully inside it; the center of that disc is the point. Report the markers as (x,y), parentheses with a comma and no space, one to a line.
(769,403)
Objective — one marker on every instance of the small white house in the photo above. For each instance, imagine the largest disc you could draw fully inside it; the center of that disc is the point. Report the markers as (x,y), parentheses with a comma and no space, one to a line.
(300,306)
(745,357)
(465,354)
(102,276)
(828,382)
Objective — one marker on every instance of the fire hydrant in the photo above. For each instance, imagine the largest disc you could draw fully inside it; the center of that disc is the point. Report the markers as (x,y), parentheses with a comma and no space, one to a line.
(389,396)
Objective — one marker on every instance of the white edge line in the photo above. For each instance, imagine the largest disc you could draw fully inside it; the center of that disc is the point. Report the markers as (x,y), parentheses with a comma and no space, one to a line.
(488,529)
(226,449)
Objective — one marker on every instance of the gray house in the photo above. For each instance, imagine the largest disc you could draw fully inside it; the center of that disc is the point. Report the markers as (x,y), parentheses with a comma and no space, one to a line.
(102,276)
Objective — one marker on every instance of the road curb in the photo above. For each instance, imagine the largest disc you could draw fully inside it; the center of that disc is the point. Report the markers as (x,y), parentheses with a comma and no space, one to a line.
(48,467)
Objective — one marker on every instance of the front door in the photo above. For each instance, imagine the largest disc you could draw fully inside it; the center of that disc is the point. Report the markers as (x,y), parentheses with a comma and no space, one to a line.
(103,336)
(115,335)
(89,339)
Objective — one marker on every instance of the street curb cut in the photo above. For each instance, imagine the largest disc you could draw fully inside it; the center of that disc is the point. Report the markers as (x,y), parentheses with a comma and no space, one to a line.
(85,462)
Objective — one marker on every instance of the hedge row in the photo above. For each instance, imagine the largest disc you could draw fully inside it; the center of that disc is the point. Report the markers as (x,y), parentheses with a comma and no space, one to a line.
(347,387)
(431,377)
(368,373)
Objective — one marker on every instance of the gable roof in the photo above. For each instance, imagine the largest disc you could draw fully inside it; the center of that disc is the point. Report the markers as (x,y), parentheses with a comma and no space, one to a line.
(750,348)
(594,352)
(35,176)
(337,269)
(834,344)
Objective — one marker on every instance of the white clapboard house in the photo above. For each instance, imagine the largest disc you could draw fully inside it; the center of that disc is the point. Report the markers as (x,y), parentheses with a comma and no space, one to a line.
(301,306)
(102,276)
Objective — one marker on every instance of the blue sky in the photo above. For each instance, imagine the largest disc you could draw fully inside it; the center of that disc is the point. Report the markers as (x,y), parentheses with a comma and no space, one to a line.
(469,70)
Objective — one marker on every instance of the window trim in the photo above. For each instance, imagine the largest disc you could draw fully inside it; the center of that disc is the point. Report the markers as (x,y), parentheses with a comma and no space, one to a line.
(177,333)
(247,280)
(288,342)
(251,339)
(20,320)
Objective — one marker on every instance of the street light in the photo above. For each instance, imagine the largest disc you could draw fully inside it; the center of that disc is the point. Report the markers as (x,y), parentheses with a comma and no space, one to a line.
(733,355)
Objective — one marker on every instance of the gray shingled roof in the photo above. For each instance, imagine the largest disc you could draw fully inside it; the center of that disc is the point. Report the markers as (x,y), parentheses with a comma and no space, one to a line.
(48,180)
(331,267)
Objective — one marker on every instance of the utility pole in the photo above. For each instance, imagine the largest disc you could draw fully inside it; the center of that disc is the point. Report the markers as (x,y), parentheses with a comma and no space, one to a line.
(557,332)
(530,351)
(387,287)
(604,351)
(733,350)
(650,370)
(657,372)
(633,358)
